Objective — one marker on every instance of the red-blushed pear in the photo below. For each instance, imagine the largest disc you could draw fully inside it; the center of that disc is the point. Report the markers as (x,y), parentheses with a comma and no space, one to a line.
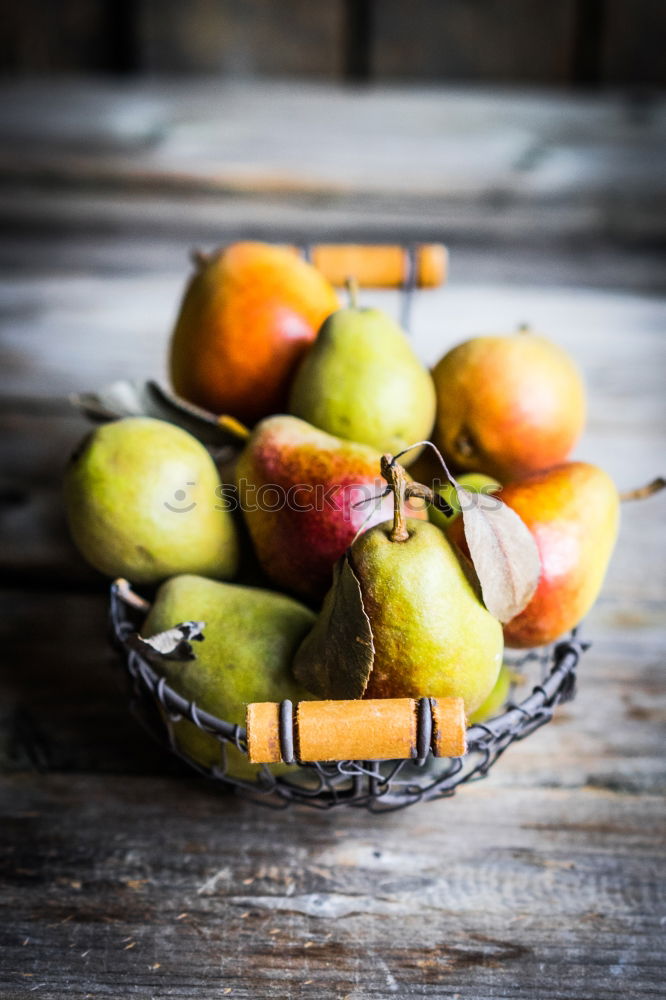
(298,488)
(572,512)
(508,405)
(248,315)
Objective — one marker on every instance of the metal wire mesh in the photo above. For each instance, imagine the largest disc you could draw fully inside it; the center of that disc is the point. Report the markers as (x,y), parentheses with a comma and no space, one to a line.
(378,786)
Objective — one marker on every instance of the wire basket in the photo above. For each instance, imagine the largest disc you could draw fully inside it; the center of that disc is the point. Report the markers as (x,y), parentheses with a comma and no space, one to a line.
(378,786)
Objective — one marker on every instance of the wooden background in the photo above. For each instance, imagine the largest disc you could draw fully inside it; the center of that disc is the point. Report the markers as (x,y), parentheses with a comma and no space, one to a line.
(120,874)
(561,42)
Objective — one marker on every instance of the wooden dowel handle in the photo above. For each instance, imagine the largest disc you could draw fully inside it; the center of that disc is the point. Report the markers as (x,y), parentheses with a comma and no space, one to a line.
(381,266)
(373,729)
(449,729)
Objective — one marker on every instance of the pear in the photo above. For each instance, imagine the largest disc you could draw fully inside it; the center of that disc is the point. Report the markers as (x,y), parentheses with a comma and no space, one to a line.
(249,313)
(572,512)
(142,503)
(250,637)
(432,635)
(508,405)
(362,381)
(494,704)
(475,482)
(298,487)
(402,620)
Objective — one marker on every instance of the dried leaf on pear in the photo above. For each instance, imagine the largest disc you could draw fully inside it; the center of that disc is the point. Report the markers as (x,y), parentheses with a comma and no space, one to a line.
(335,659)
(503,552)
(173,644)
(126,398)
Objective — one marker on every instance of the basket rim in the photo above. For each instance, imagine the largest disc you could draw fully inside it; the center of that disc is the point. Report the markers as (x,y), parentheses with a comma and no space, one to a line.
(489,739)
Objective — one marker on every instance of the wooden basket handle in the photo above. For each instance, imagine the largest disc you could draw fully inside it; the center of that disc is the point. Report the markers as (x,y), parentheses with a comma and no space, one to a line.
(425,265)
(373,729)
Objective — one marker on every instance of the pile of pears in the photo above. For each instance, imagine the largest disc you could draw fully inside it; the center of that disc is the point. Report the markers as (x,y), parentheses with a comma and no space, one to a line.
(320,567)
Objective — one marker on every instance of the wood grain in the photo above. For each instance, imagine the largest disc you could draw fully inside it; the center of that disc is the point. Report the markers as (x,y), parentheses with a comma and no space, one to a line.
(493,41)
(630,45)
(570,42)
(242,38)
(592,163)
(162,888)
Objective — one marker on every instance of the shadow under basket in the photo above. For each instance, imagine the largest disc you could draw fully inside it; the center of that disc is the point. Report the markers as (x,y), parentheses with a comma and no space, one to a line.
(378,786)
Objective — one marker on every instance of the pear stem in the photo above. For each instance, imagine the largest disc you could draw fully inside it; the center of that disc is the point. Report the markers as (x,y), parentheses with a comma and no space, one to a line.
(396,477)
(129,597)
(199,258)
(351,285)
(641,492)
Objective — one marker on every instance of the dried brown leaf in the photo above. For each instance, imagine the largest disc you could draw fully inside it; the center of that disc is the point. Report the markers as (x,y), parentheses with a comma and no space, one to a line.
(335,659)
(126,398)
(503,552)
(173,644)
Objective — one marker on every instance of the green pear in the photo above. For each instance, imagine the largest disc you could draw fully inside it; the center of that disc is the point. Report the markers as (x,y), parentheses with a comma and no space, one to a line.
(475,482)
(362,381)
(432,635)
(250,637)
(142,502)
(402,620)
(494,704)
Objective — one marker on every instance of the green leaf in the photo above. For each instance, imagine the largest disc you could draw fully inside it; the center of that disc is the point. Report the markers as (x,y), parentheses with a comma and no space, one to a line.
(335,659)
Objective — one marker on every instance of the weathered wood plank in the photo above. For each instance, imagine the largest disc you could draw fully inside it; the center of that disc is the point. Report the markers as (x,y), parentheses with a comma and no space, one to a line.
(631,49)
(158,888)
(75,38)
(34,539)
(480,42)
(73,234)
(599,159)
(237,38)
(64,703)
(242,38)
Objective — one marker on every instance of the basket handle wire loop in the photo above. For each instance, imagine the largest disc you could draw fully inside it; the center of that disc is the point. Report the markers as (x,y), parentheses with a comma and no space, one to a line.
(287,731)
(423,730)
(408,287)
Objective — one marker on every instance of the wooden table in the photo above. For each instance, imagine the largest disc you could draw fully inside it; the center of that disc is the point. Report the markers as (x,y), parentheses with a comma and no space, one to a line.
(122,874)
